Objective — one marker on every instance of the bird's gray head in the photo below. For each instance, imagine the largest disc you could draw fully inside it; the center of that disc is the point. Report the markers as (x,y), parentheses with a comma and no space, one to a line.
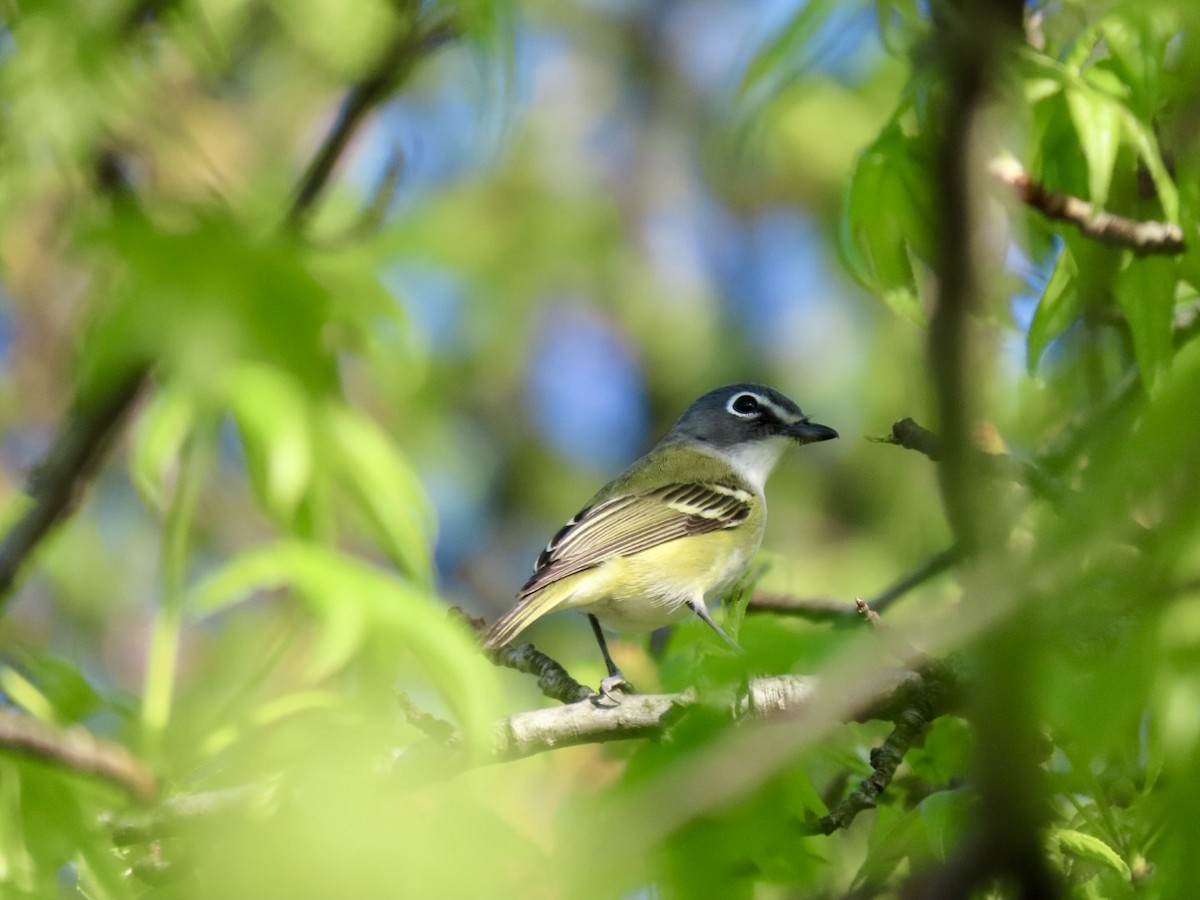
(748,424)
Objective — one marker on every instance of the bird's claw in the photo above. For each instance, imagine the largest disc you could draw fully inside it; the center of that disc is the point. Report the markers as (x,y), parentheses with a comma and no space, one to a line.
(615,682)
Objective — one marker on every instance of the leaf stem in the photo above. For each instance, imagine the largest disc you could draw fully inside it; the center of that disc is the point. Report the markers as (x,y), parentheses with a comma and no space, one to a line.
(162,659)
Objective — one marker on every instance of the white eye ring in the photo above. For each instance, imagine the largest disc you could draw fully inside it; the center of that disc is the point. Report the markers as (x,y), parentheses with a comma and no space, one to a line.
(751,410)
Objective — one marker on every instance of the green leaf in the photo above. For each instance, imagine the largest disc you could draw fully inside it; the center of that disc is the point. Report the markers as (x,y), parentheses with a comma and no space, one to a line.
(384,488)
(896,835)
(63,686)
(1141,136)
(1085,846)
(162,429)
(945,815)
(274,419)
(1145,291)
(1097,123)
(360,605)
(23,693)
(782,58)
(874,245)
(1061,303)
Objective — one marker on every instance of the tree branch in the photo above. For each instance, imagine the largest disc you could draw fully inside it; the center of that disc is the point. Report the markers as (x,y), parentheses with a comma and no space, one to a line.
(78,749)
(414,41)
(587,721)
(1143,238)
(58,482)
(908,434)
(910,730)
(818,610)
(554,681)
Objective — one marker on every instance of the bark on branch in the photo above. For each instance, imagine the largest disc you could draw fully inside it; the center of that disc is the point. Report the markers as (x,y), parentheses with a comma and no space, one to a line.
(595,721)
(1144,238)
(58,482)
(78,749)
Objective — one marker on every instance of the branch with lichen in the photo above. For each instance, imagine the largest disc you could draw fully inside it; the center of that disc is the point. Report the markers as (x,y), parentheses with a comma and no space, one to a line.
(910,730)
(553,680)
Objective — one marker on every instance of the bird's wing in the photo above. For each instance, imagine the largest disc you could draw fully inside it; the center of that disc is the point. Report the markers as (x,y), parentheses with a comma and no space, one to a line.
(627,524)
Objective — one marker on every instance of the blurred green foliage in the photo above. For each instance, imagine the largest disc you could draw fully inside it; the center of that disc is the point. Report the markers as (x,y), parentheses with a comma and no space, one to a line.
(352,425)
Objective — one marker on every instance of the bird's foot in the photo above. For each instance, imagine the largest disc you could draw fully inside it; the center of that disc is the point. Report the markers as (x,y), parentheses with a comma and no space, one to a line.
(615,682)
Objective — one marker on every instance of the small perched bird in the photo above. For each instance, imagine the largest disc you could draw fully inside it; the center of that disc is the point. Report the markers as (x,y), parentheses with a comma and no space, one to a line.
(679,525)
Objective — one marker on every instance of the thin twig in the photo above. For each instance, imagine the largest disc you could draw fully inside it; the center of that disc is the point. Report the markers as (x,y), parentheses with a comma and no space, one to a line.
(885,759)
(553,680)
(819,609)
(908,434)
(1143,238)
(414,41)
(438,729)
(898,645)
(58,482)
(77,749)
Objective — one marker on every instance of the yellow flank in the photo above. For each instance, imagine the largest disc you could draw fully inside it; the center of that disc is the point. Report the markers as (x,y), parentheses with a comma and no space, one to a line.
(651,588)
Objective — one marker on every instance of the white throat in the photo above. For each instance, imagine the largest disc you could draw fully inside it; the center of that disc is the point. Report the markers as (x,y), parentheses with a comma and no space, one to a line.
(755,460)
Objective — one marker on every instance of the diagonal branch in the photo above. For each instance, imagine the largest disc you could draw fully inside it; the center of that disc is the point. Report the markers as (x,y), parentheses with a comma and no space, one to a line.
(819,610)
(910,730)
(59,480)
(412,43)
(553,680)
(78,749)
(1143,238)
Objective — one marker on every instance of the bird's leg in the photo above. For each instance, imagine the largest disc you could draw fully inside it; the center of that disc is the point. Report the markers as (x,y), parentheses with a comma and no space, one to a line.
(615,680)
(698,607)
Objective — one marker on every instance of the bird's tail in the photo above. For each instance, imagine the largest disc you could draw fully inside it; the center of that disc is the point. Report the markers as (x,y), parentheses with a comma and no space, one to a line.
(524,614)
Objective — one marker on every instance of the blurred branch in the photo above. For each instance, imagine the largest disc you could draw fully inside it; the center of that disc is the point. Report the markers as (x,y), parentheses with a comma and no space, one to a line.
(438,729)
(910,730)
(972,41)
(908,434)
(553,680)
(58,481)
(825,610)
(164,820)
(1143,238)
(414,41)
(77,749)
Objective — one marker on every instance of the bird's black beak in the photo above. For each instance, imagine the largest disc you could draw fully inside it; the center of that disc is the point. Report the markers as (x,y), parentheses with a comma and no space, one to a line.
(806,432)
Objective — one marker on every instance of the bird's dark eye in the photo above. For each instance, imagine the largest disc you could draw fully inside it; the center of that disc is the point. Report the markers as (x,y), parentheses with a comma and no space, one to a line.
(744,404)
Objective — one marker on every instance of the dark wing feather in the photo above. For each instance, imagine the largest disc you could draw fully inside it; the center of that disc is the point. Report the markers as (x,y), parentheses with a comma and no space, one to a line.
(628,524)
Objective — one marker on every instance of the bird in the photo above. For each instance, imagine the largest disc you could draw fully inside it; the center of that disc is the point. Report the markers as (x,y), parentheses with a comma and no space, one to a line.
(677,527)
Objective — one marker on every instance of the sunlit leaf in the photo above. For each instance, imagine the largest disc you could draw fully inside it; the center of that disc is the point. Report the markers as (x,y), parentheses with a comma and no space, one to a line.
(875,246)
(274,419)
(1097,120)
(25,694)
(1060,305)
(163,427)
(1086,846)
(384,488)
(359,603)
(1145,291)
(780,57)
(945,815)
